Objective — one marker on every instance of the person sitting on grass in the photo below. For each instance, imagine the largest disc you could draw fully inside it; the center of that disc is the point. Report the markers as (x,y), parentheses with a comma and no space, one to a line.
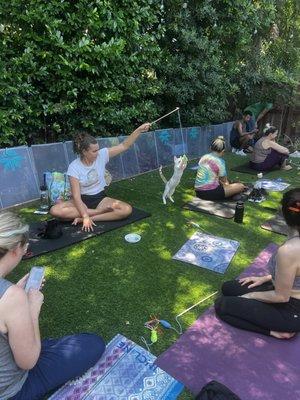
(240,139)
(89,202)
(267,154)
(31,367)
(269,304)
(211,180)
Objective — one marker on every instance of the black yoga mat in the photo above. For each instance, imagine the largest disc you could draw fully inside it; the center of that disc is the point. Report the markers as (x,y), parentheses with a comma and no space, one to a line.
(224,209)
(73,234)
(276,224)
(245,169)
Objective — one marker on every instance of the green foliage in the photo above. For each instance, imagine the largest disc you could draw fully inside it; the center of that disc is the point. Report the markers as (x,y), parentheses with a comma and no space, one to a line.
(107,65)
(75,64)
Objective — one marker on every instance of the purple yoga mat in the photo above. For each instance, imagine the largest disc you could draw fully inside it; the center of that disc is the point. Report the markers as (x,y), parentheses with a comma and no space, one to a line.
(253,366)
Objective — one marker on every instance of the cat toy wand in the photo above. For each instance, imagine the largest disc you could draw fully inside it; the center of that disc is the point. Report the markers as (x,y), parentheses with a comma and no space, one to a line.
(164,116)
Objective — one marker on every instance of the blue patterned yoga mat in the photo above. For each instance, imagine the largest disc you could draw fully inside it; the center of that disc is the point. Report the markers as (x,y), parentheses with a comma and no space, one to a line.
(126,371)
(274,185)
(207,251)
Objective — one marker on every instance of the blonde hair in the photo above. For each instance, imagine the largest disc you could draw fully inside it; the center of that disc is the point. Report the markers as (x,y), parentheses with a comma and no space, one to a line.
(218,144)
(12,232)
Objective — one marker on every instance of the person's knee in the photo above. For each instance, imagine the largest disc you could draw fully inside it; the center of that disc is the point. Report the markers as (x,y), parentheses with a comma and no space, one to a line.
(95,345)
(227,288)
(219,306)
(55,211)
(125,210)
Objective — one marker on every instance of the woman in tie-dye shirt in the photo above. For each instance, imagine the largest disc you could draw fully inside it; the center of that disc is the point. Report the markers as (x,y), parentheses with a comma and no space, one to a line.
(211,181)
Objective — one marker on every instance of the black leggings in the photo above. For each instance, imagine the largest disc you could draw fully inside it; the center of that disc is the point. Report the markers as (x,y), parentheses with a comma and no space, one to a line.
(256,316)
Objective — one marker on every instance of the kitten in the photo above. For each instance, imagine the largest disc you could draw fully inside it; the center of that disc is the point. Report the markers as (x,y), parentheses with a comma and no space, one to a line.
(180,164)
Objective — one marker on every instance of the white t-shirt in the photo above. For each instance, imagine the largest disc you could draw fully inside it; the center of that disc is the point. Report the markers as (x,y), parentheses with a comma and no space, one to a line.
(91,177)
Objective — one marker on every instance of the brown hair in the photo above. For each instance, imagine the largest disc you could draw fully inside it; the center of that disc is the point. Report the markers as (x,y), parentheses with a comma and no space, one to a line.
(82,141)
(291,208)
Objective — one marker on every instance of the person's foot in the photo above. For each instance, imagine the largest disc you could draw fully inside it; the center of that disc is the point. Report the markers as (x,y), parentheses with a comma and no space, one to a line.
(286,167)
(282,335)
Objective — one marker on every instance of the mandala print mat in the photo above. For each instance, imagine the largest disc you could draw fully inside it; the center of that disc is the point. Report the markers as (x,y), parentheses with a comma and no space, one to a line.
(207,251)
(273,185)
(126,371)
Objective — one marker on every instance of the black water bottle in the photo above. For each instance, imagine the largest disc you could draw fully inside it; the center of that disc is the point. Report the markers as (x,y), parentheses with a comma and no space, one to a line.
(239,212)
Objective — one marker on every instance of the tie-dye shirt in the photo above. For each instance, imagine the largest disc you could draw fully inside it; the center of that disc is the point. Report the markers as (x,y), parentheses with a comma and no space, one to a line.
(211,168)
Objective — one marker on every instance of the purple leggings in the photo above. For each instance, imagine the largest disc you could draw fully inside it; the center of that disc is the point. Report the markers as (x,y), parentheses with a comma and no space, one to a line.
(272,160)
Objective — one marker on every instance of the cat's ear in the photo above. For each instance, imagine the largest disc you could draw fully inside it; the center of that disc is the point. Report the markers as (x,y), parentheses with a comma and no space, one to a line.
(175,159)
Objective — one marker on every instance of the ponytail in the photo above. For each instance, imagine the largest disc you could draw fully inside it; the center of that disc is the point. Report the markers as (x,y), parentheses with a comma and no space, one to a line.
(82,141)
(218,144)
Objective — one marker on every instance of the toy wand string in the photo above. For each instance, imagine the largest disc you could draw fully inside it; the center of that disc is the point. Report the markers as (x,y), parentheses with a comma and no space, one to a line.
(164,116)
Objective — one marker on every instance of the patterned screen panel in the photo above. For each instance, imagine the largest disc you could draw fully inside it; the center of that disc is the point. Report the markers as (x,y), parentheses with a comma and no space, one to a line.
(115,165)
(18,182)
(49,157)
(165,145)
(129,160)
(146,152)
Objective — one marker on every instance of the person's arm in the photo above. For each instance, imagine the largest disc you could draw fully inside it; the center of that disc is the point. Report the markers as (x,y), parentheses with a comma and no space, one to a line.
(76,196)
(87,223)
(240,130)
(128,142)
(284,279)
(278,147)
(224,180)
(22,323)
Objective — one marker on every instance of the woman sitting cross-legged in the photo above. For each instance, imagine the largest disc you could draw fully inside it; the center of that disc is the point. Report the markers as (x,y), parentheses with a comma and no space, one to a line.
(268,154)
(269,304)
(211,180)
(31,367)
(89,201)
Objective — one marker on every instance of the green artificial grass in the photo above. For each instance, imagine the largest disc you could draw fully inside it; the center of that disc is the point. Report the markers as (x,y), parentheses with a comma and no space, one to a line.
(109,286)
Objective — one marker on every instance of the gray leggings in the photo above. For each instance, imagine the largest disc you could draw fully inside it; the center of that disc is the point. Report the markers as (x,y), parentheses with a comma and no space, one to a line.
(256,316)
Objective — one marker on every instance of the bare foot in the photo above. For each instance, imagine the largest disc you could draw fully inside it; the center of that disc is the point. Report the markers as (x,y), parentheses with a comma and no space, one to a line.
(282,335)
(286,167)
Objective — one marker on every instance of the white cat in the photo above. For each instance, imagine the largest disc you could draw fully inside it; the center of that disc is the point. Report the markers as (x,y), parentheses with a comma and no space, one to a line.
(180,164)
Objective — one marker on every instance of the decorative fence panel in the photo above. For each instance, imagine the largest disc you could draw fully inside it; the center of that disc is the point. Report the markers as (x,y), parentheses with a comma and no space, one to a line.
(22,168)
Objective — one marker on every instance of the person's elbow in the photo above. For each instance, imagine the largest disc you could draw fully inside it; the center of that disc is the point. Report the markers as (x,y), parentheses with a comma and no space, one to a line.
(29,361)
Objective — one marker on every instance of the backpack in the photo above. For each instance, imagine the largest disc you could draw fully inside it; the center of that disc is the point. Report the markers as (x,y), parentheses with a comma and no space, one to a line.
(58,186)
(214,390)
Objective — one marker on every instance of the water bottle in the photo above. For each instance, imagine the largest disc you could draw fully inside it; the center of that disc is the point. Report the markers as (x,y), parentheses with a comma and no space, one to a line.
(239,212)
(44,205)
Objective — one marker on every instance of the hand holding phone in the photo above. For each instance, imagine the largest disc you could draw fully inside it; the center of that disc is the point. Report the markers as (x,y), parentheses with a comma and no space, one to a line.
(35,278)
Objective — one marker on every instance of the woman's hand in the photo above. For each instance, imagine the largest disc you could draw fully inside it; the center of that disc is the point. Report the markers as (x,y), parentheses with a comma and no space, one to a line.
(87,224)
(36,299)
(22,282)
(256,281)
(143,128)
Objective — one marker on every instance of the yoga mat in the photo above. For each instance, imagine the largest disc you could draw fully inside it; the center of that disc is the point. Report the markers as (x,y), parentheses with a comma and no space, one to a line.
(126,371)
(224,209)
(273,185)
(245,169)
(73,234)
(253,366)
(276,224)
(208,251)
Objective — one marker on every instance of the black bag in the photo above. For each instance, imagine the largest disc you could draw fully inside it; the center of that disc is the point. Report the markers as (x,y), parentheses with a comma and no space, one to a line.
(52,230)
(214,390)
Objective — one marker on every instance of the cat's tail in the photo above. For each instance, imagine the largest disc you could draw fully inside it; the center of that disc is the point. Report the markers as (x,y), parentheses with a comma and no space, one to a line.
(162,175)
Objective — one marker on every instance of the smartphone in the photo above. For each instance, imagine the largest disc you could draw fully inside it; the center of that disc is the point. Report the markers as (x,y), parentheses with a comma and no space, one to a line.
(35,278)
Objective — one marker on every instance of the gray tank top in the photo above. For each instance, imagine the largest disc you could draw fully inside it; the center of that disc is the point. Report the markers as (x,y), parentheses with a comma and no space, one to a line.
(12,377)
(272,266)
(259,154)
